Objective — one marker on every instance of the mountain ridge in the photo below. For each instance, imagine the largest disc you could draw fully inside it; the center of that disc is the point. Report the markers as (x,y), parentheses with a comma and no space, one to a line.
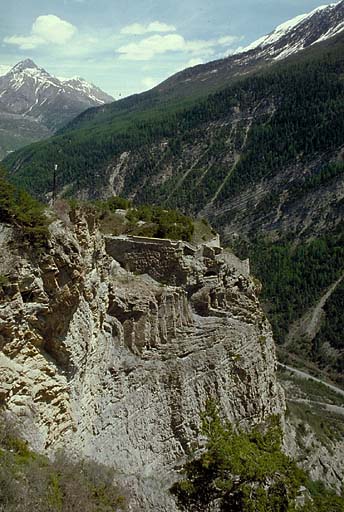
(262,159)
(30,96)
(203,79)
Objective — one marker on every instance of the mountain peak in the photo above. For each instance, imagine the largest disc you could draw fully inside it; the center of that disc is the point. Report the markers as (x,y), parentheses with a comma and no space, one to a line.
(75,79)
(25,64)
(324,21)
(39,103)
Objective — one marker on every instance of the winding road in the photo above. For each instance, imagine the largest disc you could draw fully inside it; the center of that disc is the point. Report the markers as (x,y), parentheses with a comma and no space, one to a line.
(305,375)
(337,409)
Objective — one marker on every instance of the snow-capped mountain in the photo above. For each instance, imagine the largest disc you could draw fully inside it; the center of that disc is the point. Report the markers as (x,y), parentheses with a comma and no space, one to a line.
(34,104)
(301,32)
(30,90)
(86,88)
(288,38)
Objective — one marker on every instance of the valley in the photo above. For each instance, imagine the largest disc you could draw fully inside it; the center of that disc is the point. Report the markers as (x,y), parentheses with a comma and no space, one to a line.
(171,282)
(262,160)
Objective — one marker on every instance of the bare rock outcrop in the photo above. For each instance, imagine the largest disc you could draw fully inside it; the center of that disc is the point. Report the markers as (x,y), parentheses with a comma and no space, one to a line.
(118,365)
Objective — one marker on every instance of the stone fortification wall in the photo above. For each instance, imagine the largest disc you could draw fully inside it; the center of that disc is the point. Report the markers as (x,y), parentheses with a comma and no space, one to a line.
(241,266)
(161,259)
(214,242)
(172,262)
(118,367)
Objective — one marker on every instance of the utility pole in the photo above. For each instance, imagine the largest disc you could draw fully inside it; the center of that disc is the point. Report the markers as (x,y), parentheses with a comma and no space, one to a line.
(54,183)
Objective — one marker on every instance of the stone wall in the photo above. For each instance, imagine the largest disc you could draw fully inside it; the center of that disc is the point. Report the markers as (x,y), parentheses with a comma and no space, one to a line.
(118,367)
(161,259)
(241,266)
(172,262)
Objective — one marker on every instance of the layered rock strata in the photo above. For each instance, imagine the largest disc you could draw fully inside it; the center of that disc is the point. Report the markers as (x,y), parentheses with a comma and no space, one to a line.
(117,365)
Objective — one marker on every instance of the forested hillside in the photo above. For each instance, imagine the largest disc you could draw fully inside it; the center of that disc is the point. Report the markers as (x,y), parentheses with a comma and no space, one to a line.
(262,159)
(285,115)
(294,277)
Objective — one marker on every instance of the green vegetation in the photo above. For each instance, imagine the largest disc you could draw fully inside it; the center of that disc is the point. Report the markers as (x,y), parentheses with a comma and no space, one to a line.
(144,220)
(161,223)
(323,500)
(202,232)
(246,472)
(310,389)
(323,176)
(29,481)
(294,276)
(114,203)
(300,104)
(3,280)
(327,426)
(20,210)
(308,94)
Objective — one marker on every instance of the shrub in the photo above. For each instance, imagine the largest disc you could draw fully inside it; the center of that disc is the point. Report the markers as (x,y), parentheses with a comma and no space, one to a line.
(29,481)
(245,472)
(22,211)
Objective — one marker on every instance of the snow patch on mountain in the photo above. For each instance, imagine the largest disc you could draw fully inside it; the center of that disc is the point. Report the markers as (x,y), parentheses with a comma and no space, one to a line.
(29,91)
(290,26)
(81,85)
(331,33)
(279,32)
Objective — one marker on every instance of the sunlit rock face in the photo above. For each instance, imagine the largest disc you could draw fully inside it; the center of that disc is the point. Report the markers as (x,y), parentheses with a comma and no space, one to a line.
(117,365)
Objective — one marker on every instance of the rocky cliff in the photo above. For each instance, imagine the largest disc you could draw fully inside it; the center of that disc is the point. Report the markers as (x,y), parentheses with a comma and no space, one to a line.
(117,365)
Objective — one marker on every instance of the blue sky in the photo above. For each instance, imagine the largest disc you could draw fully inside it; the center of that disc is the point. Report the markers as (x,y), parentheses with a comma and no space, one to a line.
(127,47)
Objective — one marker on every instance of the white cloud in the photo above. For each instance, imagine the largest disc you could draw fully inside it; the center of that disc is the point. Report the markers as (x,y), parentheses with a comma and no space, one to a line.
(47,29)
(158,44)
(205,48)
(193,62)
(137,29)
(227,40)
(147,48)
(149,82)
(4,69)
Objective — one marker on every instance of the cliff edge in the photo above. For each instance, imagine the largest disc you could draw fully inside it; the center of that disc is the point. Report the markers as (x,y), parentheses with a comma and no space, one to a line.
(111,346)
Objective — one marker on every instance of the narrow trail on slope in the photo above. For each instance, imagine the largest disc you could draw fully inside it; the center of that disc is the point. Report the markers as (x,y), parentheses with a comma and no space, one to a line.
(337,409)
(309,323)
(186,174)
(237,155)
(305,375)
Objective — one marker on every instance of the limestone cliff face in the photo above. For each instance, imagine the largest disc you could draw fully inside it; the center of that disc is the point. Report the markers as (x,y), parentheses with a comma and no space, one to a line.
(116,364)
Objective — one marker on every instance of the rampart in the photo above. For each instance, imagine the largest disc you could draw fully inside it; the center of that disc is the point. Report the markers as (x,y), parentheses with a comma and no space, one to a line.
(242,266)
(162,259)
(172,262)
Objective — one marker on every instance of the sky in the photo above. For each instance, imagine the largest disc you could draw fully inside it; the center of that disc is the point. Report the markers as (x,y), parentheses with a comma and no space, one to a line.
(127,47)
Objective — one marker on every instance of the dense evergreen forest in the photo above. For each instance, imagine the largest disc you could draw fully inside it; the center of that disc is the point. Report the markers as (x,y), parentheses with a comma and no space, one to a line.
(306,94)
(294,277)
(295,110)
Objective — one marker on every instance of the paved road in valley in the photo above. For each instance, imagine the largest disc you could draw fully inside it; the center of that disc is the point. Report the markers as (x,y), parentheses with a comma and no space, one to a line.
(305,375)
(337,409)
